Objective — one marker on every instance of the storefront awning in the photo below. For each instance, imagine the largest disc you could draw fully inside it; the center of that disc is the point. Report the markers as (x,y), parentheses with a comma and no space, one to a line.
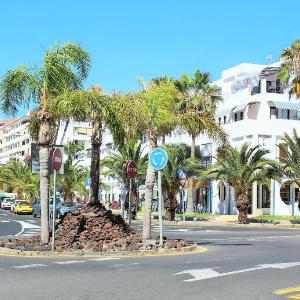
(287,105)
(239,107)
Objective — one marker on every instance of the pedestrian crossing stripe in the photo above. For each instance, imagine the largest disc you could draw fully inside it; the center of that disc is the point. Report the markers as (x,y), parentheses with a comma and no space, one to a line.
(289,291)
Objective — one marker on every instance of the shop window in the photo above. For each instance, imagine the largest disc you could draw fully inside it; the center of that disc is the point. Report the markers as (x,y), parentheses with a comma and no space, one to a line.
(265,197)
(285,193)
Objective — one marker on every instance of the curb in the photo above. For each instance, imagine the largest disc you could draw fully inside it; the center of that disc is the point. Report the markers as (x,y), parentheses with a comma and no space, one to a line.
(124,254)
(227,224)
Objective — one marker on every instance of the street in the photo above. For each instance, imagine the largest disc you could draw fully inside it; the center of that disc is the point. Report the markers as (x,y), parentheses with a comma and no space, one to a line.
(241,263)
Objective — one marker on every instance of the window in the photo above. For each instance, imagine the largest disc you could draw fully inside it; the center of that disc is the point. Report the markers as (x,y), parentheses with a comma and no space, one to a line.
(235,117)
(225,119)
(219,120)
(273,113)
(265,197)
(241,115)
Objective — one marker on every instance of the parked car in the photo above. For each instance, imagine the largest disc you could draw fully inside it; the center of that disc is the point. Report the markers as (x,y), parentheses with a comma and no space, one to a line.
(13,206)
(66,207)
(37,207)
(23,207)
(7,203)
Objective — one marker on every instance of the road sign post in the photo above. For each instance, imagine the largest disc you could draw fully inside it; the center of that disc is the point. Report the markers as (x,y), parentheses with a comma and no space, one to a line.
(56,162)
(158,159)
(182,175)
(131,170)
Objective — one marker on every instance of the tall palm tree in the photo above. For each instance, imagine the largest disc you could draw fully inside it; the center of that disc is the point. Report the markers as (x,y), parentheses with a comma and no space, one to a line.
(240,168)
(64,67)
(290,69)
(157,102)
(178,158)
(97,107)
(291,158)
(196,114)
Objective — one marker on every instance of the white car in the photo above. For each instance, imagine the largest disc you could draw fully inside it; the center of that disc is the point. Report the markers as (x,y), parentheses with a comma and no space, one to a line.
(7,203)
(13,206)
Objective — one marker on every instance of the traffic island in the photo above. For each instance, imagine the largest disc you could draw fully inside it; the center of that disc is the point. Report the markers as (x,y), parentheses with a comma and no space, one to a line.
(93,230)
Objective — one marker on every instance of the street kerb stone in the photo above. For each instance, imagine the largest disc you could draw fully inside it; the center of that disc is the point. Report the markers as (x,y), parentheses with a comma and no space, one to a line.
(193,249)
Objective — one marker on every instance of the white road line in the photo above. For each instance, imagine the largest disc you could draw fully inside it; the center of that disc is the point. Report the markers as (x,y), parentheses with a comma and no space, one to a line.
(26,225)
(103,258)
(201,274)
(5,221)
(69,262)
(30,266)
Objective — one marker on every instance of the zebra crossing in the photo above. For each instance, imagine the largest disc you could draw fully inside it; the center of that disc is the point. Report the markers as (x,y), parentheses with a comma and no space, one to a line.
(28,228)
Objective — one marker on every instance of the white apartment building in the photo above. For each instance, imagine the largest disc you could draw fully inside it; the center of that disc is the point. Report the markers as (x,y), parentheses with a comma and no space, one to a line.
(255,109)
(15,143)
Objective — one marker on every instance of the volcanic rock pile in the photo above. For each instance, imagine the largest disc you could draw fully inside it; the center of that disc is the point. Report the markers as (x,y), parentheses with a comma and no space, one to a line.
(92,229)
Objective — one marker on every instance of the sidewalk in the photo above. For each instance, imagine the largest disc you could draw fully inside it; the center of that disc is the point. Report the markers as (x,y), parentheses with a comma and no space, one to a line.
(224,221)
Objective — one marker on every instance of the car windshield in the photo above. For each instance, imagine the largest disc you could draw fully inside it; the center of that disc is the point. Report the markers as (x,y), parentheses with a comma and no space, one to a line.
(10,200)
(23,203)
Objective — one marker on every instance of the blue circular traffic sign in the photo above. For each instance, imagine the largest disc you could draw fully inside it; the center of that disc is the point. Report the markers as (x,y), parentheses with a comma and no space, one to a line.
(158,158)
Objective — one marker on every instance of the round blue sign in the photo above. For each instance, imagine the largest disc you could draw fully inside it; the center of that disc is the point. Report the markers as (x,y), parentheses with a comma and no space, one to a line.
(158,158)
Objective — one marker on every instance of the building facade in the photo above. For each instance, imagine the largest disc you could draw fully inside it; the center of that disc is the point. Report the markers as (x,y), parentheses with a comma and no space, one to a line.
(258,110)
(15,142)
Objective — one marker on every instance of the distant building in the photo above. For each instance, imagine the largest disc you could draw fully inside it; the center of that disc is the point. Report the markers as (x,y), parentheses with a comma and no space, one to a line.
(15,142)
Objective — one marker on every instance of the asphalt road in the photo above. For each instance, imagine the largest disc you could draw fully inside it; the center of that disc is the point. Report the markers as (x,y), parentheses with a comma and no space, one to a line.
(241,263)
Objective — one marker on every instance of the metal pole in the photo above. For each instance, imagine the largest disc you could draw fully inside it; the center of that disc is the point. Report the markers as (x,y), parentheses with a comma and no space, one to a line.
(54,211)
(293,201)
(160,209)
(122,202)
(183,204)
(273,196)
(129,202)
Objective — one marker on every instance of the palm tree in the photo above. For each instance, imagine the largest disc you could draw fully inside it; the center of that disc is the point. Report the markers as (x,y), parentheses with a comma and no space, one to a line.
(196,114)
(291,158)
(290,69)
(179,158)
(19,179)
(64,67)
(74,176)
(113,165)
(97,107)
(157,102)
(240,168)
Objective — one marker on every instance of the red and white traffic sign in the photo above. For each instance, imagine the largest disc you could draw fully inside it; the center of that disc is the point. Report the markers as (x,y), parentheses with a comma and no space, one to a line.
(57,159)
(131,169)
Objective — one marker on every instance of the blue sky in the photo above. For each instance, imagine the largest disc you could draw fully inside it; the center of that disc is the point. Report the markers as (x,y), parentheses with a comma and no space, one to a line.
(128,39)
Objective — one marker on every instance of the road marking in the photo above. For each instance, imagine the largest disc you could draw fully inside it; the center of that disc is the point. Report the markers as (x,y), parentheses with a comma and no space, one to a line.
(297,296)
(177,230)
(29,266)
(69,262)
(4,221)
(103,258)
(287,290)
(26,226)
(201,274)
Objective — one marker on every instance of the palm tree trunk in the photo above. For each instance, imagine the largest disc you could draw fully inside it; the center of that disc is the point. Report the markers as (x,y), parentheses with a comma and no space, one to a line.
(163,140)
(68,196)
(170,207)
(190,192)
(193,146)
(242,205)
(67,121)
(44,141)
(96,141)
(150,178)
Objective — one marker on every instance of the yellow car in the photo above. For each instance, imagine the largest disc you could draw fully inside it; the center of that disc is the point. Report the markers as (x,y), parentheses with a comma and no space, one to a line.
(23,207)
